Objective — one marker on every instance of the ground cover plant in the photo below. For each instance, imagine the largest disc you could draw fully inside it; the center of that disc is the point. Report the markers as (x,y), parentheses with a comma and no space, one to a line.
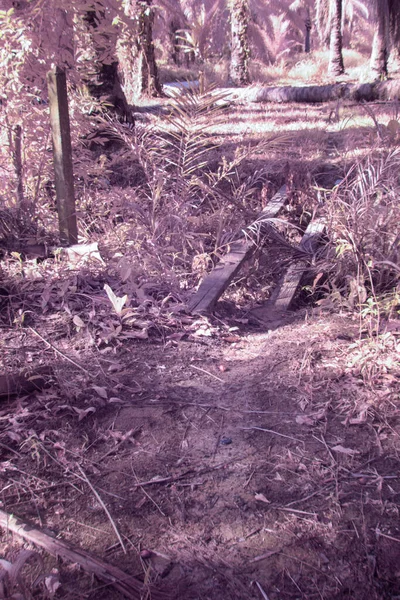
(250,453)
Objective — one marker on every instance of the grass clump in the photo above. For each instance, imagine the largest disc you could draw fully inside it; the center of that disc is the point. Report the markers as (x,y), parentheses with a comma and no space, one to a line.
(364,234)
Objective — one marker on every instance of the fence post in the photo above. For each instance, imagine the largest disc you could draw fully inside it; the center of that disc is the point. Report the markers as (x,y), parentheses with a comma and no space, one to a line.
(62,156)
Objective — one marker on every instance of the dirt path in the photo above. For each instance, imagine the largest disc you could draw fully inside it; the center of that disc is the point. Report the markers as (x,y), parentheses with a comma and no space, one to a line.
(262,477)
(300,495)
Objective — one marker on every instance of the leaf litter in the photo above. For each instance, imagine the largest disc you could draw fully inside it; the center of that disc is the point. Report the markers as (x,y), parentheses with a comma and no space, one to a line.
(202,497)
(124,458)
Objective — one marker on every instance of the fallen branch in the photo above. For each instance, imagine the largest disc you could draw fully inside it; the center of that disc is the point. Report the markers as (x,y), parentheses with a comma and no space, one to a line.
(129,586)
(173,478)
(99,499)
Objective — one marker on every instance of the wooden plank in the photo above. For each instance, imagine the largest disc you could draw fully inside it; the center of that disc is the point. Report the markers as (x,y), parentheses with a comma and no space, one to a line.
(62,156)
(274,205)
(128,585)
(283,296)
(216,282)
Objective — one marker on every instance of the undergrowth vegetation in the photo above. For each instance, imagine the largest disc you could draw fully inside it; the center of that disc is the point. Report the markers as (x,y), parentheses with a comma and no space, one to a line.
(159,205)
(213,455)
(164,199)
(364,232)
(177,201)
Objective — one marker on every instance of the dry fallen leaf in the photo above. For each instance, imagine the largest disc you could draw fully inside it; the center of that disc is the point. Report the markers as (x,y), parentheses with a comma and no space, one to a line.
(15,437)
(343,450)
(115,367)
(117,303)
(231,339)
(78,321)
(83,412)
(52,583)
(202,332)
(304,420)
(360,420)
(138,335)
(101,391)
(262,498)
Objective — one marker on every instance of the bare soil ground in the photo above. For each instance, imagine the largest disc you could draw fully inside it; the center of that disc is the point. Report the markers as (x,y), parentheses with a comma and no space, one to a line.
(236,457)
(264,476)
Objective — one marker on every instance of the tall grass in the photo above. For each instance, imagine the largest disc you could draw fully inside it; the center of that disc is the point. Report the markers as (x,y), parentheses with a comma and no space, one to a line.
(364,233)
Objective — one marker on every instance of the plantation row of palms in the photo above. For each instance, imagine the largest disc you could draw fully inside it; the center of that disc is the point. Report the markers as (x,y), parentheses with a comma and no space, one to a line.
(112,49)
(126,37)
(272,30)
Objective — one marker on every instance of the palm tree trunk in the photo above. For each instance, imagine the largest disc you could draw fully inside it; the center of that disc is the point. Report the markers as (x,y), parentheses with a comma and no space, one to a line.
(307,26)
(240,53)
(380,44)
(106,84)
(394,22)
(147,66)
(174,28)
(138,67)
(336,65)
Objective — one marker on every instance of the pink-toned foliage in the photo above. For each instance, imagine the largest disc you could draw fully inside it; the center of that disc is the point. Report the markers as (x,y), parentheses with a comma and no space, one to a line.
(35,37)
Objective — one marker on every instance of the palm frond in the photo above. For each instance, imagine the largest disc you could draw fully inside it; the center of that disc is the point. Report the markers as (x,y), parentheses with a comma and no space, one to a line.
(323,18)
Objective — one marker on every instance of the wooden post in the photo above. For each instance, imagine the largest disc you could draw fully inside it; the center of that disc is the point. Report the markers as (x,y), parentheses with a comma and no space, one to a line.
(18,166)
(62,156)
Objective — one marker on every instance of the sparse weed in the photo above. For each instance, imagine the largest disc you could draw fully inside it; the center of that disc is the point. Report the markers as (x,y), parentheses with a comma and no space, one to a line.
(188,199)
(364,231)
(374,360)
(308,70)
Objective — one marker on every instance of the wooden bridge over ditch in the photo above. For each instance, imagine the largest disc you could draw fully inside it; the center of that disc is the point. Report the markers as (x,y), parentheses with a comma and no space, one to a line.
(242,249)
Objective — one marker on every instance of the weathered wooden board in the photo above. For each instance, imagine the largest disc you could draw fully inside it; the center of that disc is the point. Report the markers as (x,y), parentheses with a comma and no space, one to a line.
(216,282)
(274,205)
(126,584)
(284,293)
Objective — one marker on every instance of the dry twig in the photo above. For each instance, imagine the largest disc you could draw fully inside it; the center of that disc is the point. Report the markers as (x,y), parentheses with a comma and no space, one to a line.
(273,432)
(84,476)
(262,592)
(208,373)
(57,351)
